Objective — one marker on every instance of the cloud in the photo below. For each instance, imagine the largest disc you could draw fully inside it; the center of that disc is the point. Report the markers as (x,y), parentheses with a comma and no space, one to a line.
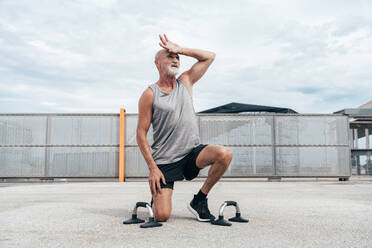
(97,56)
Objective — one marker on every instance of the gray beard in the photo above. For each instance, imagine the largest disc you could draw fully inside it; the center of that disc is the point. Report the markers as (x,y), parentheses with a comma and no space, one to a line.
(172,71)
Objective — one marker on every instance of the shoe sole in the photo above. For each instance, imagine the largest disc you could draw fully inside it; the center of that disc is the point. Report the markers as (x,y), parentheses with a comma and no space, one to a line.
(196,214)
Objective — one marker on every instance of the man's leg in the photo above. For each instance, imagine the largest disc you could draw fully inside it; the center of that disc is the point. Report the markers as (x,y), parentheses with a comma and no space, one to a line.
(162,206)
(219,157)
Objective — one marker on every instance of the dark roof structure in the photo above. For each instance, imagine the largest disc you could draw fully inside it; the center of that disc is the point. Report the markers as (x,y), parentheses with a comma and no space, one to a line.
(235,107)
(364,111)
(356,113)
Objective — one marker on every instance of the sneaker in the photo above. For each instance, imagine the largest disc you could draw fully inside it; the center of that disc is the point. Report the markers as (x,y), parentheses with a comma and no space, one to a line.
(200,209)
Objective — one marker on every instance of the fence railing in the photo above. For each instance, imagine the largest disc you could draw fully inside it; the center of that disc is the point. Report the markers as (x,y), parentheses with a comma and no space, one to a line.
(59,145)
(265,145)
(87,145)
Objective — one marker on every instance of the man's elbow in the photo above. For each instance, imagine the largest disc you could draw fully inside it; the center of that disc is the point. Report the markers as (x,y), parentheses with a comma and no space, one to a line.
(213,55)
(139,136)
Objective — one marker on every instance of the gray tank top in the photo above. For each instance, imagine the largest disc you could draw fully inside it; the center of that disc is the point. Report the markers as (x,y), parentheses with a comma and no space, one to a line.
(174,124)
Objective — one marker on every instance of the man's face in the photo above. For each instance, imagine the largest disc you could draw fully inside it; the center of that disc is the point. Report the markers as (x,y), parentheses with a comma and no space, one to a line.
(169,63)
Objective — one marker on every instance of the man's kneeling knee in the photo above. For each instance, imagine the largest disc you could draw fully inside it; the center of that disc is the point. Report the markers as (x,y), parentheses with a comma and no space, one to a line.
(162,216)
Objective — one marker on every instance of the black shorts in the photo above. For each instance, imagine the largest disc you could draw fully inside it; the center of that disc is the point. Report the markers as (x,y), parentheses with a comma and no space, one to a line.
(183,169)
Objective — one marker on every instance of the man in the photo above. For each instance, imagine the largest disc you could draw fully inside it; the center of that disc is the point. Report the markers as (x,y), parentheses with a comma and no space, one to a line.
(176,151)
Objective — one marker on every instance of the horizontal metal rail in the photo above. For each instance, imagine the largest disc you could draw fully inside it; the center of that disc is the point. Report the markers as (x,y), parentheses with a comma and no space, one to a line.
(48,145)
(257,114)
(59,114)
(254,145)
(117,145)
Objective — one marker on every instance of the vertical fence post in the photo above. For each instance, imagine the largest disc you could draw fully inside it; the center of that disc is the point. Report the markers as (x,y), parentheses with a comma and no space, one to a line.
(368,153)
(46,149)
(121,145)
(273,133)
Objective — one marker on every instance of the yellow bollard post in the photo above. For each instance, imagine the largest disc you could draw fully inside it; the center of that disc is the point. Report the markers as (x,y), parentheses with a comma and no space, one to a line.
(121,145)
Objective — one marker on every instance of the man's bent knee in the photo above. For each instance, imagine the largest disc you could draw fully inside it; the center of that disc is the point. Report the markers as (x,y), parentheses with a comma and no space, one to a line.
(224,155)
(163,204)
(162,216)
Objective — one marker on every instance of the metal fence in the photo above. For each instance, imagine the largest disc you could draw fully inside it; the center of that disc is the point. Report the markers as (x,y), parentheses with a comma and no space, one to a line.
(265,145)
(86,145)
(59,145)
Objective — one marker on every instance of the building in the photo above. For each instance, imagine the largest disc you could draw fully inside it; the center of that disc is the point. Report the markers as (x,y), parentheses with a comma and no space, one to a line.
(360,137)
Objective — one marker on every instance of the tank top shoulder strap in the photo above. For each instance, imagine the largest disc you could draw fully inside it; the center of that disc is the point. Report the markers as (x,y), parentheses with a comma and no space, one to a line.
(154,89)
(180,84)
(183,87)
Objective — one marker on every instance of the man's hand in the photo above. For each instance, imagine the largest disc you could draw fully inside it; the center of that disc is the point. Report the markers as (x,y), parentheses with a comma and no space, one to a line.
(154,180)
(168,45)
(198,69)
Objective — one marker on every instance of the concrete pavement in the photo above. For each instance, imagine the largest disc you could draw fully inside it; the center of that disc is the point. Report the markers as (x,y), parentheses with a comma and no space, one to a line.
(291,213)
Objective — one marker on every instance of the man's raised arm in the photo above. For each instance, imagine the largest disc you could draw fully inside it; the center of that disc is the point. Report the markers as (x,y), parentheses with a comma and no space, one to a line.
(205,58)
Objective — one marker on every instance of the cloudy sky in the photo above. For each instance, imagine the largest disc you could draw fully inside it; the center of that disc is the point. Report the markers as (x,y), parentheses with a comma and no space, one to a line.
(97,56)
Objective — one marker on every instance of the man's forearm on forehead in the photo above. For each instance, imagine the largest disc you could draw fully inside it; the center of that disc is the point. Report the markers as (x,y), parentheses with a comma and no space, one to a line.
(199,54)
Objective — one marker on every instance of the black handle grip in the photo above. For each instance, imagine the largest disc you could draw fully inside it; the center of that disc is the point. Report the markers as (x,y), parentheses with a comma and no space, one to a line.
(141,204)
(230,203)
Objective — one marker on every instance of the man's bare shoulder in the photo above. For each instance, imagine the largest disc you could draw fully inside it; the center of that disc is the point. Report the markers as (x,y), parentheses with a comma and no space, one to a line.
(187,83)
(185,80)
(148,92)
(147,97)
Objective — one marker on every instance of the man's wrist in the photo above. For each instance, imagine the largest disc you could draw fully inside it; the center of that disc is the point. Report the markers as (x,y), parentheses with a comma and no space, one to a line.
(153,167)
(181,51)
